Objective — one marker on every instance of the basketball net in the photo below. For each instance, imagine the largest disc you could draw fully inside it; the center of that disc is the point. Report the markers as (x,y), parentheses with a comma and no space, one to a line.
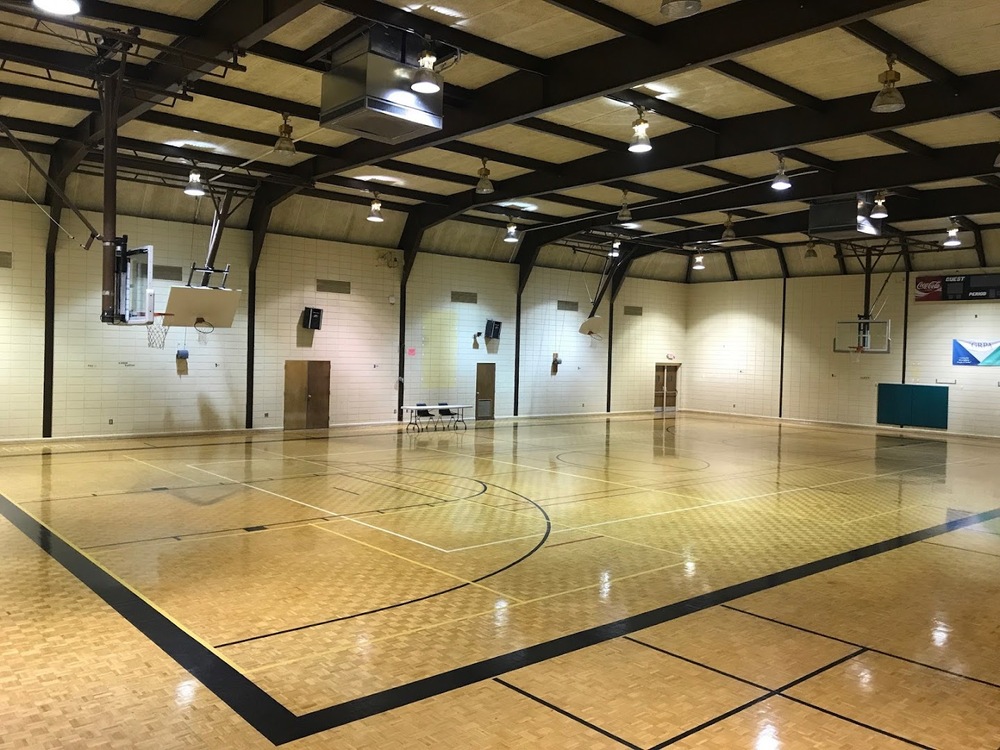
(156,332)
(856,356)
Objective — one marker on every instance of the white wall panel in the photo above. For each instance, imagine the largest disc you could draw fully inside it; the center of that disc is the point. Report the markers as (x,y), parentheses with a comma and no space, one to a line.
(733,347)
(640,341)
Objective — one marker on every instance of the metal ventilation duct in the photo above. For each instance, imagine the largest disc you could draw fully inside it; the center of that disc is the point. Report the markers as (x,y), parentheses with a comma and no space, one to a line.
(838,219)
(367,91)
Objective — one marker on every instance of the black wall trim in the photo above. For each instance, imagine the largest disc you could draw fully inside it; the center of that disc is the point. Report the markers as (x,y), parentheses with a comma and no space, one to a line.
(517,352)
(251,330)
(280,725)
(906,324)
(611,346)
(781,355)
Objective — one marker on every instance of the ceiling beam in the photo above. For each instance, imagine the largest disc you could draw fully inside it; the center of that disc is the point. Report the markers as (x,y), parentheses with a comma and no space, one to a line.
(885,42)
(932,204)
(608,17)
(768,85)
(903,142)
(619,63)
(665,109)
(853,176)
(777,130)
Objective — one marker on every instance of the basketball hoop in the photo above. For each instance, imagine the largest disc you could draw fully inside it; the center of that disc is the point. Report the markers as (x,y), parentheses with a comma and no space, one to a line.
(156,331)
(203,327)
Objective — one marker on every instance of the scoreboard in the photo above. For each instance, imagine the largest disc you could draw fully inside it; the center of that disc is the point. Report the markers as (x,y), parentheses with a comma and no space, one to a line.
(984,286)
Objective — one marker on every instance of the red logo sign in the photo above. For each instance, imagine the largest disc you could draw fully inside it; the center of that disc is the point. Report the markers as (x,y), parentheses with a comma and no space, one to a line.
(929,288)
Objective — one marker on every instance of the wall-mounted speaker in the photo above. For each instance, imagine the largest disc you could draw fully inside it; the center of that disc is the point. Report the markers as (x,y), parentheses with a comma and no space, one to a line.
(493,329)
(312,318)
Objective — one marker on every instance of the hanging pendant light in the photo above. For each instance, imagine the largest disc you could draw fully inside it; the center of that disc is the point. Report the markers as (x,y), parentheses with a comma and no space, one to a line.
(699,263)
(284,144)
(484,186)
(640,138)
(680,8)
(426,80)
(953,239)
(728,231)
(781,181)
(614,252)
(879,211)
(625,213)
(58,7)
(888,99)
(511,235)
(375,212)
(194,186)
(810,250)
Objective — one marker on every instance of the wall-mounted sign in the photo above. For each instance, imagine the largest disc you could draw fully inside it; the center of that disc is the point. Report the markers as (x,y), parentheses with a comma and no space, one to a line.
(985,286)
(975,353)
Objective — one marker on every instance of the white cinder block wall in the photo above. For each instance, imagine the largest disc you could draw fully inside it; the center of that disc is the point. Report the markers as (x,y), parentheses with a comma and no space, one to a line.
(974,392)
(641,341)
(441,351)
(580,384)
(726,335)
(838,387)
(107,379)
(359,334)
(733,349)
(23,230)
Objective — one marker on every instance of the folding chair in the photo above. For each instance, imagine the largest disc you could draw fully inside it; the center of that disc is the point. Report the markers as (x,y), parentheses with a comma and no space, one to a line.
(424,414)
(443,411)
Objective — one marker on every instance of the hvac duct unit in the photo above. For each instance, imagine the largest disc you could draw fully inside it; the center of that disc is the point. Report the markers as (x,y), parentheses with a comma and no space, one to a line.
(839,219)
(367,91)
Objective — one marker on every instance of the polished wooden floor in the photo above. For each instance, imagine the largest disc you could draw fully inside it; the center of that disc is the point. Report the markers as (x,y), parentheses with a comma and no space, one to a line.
(640,582)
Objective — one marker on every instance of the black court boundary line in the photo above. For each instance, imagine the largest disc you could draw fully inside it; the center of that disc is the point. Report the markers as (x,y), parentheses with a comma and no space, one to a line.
(280,726)
(567,714)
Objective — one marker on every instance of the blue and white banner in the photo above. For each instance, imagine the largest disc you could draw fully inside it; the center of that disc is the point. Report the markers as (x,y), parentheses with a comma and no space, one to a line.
(975,353)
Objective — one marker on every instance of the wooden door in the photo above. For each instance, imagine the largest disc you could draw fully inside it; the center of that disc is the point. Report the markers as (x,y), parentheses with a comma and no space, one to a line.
(670,388)
(318,397)
(307,394)
(658,388)
(486,382)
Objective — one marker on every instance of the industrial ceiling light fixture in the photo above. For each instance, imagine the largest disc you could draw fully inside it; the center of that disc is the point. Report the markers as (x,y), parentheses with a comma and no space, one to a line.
(58,7)
(879,211)
(640,138)
(810,250)
(728,232)
(888,99)
(375,212)
(484,186)
(680,8)
(953,240)
(511,235)
(284,144)
(781,181)
(614,252)
(426,80)
(194,186)
(699,263)
(625,214)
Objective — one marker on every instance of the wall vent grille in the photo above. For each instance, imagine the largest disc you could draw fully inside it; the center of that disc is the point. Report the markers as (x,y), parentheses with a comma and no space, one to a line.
(168,273)
(567,305)
(332,286)
(471,298)
(633,310)
(6,259)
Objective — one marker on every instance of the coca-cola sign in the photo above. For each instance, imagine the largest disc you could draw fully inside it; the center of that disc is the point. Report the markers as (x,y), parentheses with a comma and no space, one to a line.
(929,288)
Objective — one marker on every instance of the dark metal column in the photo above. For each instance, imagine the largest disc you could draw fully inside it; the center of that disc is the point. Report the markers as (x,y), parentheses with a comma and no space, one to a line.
(111,88)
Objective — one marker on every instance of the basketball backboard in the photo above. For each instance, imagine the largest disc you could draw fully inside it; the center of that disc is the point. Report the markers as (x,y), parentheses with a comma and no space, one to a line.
(862,336)
(190,305)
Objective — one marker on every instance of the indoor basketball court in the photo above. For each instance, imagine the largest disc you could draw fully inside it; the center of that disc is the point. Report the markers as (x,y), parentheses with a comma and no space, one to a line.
(324,583)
